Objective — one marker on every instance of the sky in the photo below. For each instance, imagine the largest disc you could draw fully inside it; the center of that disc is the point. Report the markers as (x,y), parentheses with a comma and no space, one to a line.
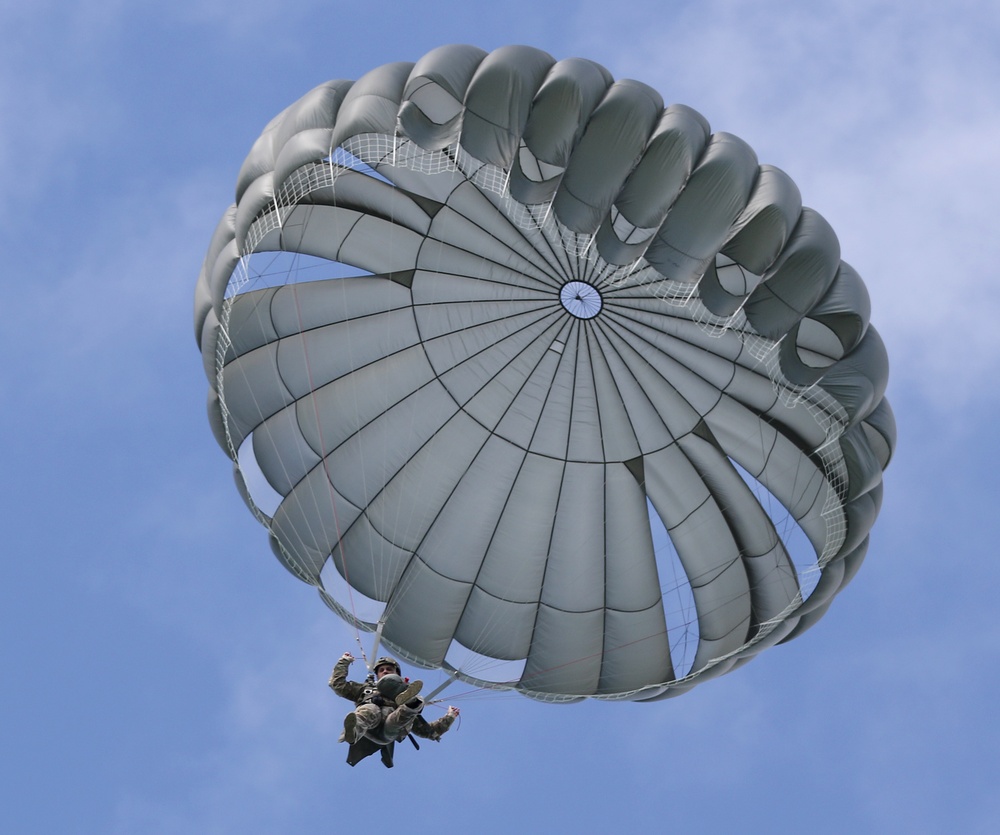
(162,673)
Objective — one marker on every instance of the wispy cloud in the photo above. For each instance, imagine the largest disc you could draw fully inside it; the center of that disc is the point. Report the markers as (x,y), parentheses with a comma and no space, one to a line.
(886,116)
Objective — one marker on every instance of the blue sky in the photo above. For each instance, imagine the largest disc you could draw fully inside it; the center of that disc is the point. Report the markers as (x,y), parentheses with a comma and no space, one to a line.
(163,674)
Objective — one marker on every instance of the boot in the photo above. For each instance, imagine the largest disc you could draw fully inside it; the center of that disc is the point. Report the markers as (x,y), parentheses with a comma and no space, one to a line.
(351,728)
(411,690)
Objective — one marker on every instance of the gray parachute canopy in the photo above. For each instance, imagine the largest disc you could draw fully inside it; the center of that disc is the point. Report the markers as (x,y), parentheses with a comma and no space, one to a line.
(553,385)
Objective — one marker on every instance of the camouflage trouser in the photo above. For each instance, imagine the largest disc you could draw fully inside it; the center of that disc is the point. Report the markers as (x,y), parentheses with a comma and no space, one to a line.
(384,724)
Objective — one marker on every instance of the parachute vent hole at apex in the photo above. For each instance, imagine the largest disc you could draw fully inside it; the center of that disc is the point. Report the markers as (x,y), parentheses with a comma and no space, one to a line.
(581,299)
(516,357)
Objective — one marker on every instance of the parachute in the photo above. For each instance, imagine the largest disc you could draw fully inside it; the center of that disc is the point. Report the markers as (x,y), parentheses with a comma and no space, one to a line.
(540,379)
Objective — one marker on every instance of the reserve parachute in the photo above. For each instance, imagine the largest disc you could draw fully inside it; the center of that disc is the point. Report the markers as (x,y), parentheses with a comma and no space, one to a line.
(541,379)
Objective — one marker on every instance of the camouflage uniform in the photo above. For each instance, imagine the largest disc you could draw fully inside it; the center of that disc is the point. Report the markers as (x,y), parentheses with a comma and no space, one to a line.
(379,720)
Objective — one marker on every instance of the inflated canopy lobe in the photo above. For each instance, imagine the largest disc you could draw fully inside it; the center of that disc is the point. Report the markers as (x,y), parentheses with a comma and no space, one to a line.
(558,388)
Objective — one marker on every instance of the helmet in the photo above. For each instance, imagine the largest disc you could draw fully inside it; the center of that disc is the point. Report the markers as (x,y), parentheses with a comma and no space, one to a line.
(385,659)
